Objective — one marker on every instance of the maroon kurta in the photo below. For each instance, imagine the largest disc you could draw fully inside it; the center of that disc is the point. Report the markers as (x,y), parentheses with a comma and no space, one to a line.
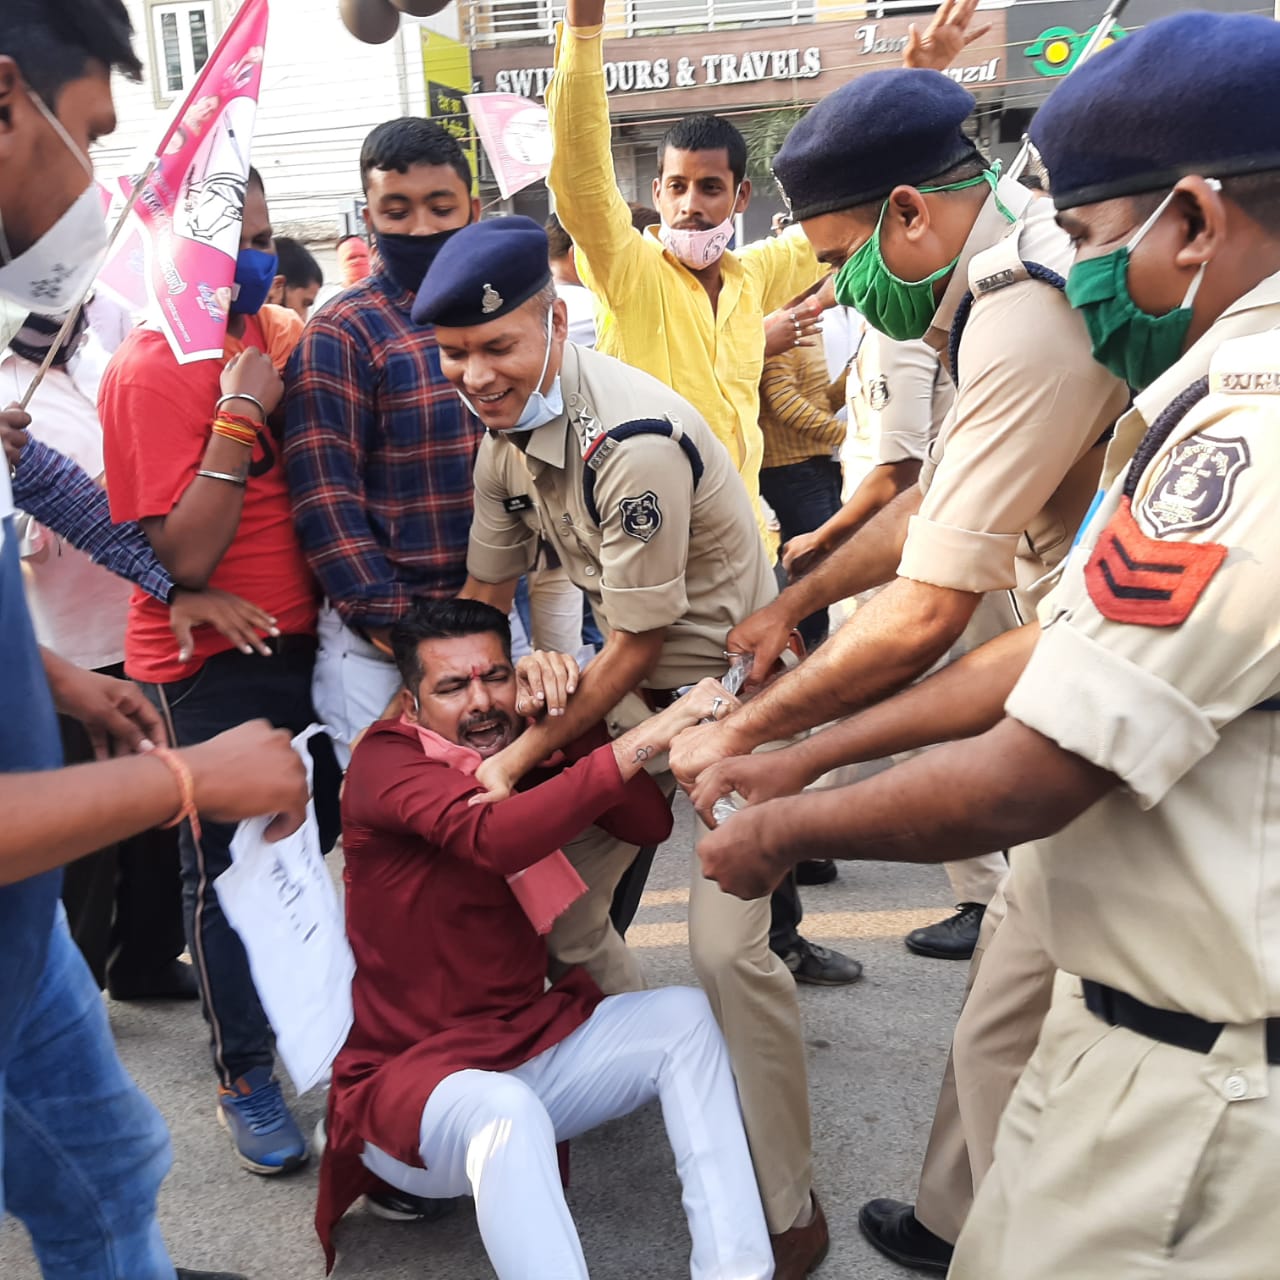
(450,974)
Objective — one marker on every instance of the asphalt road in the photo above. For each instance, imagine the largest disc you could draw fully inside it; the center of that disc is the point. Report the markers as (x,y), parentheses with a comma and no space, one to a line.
(876,1053)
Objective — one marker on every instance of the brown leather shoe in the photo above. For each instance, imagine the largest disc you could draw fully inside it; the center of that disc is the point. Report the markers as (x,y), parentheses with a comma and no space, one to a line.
(800,1252)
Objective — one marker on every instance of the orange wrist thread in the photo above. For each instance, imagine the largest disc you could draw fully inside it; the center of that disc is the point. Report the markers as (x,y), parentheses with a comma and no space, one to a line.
(186,789)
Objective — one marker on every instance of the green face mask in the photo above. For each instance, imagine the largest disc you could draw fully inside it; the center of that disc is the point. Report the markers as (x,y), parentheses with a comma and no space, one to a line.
(1134,345)
(900,309)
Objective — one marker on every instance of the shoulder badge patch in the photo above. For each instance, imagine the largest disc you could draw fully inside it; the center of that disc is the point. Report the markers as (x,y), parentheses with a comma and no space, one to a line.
(641,517)
(1194,488)
(878,393)
(1135,578)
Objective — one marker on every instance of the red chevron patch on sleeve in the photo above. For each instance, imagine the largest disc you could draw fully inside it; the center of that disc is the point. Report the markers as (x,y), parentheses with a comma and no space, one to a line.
(1134,578)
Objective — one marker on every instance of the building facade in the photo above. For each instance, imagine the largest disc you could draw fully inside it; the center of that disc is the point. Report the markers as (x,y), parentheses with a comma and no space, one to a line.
(761,62)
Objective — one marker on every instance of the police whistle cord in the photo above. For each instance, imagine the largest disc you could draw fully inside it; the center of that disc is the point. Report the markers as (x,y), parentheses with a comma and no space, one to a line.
(67,325)
(1101,34)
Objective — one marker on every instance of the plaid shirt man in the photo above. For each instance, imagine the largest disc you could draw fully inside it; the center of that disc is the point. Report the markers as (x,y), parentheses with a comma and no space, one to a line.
(379,452)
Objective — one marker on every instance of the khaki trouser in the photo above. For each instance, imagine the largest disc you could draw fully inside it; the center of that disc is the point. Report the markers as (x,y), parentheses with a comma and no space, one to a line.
(751,992)
(1122,1157)
(1010,982)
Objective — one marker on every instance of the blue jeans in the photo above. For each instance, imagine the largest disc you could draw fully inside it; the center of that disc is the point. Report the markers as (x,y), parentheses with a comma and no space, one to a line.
(804,496)
(84,1152)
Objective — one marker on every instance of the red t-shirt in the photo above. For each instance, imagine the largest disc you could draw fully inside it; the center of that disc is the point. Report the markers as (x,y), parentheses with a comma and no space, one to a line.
(155,417)
(450,974)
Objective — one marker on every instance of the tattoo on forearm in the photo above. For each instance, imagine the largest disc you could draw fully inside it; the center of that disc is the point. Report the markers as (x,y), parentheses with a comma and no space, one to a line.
(644,753)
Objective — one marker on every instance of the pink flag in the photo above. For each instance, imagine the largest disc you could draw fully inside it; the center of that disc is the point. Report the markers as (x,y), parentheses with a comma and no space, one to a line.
(515,136)
(186,222)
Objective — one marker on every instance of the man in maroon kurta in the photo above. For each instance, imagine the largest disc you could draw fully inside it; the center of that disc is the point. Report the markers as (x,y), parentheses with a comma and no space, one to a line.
(456,1036)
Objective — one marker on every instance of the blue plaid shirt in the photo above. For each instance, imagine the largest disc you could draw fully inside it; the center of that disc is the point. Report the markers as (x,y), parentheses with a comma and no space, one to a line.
(52,489)
(379,452)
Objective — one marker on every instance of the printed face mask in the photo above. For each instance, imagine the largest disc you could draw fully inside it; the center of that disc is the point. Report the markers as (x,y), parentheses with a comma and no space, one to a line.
(56,271)
(699,249)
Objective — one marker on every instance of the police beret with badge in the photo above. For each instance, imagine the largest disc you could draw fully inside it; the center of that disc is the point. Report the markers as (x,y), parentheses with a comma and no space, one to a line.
(872,134)
(484,272)
(1191,93)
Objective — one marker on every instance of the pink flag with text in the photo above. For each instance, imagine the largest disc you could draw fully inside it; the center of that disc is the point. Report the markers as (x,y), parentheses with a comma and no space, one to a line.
(184,230)
(515,136)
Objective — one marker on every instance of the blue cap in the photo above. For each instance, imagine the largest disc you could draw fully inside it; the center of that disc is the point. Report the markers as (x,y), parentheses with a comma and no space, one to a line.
(1192,93)
(484,272)
(872,134)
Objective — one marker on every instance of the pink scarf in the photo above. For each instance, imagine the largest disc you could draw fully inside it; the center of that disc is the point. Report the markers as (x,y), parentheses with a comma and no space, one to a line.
(550,886)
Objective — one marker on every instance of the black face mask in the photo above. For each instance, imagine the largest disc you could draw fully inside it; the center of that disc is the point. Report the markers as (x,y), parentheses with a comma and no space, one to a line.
(407,258)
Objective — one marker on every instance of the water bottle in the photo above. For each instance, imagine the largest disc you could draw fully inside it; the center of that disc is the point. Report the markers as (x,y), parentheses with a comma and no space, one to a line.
(726,807)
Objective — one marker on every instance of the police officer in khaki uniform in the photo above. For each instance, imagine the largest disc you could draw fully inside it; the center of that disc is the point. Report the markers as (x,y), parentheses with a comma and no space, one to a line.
(642,505)
(899,396)
(1139,744)
(890,190)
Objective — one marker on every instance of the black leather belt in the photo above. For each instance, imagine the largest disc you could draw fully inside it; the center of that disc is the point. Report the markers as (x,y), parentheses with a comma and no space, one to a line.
(290,646)
(1182,1030)
(658,699)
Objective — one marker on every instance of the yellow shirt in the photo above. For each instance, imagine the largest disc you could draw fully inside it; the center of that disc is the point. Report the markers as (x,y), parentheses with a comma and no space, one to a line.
(654,315)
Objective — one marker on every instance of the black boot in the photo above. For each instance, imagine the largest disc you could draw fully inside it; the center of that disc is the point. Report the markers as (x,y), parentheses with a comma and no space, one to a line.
(951,939)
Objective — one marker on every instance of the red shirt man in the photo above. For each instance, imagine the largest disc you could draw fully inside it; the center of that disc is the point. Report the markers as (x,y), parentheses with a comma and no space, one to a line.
(455,1030)
(192,454)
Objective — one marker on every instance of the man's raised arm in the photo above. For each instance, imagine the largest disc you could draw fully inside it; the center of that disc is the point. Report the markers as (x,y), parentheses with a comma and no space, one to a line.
(582,178)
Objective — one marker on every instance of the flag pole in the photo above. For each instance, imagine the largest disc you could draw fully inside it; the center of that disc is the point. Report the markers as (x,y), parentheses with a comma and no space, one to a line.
(1100,35)
(63,333)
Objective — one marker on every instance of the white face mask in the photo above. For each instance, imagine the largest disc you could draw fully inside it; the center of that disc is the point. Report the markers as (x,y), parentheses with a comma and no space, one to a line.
(54,273)
(538,409)
(699,249)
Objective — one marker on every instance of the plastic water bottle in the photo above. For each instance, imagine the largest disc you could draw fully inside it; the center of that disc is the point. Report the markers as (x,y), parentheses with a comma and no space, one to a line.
(726,807)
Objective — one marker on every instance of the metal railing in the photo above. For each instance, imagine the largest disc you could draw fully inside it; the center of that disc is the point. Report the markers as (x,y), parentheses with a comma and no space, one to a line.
(499,22)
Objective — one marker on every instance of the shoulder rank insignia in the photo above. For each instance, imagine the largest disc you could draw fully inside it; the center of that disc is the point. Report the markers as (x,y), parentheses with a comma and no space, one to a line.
(1135,578)
(1194,488)
(641,517)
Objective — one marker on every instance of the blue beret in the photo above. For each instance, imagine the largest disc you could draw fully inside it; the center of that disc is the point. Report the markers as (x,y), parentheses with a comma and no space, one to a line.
(484,272)
(872,134)
(1192,93)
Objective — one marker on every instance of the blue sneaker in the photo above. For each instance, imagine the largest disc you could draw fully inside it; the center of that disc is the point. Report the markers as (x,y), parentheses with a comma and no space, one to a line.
(253,1111)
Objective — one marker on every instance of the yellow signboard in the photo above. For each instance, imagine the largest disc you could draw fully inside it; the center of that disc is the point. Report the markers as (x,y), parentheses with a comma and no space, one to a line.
(446,67)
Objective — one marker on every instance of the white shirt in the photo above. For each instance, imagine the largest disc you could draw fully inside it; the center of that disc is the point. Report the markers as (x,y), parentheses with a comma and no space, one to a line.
(581,304)
(79,609)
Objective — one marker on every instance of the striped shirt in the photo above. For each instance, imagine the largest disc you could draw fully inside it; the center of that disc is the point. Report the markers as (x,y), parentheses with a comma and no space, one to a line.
(796,412)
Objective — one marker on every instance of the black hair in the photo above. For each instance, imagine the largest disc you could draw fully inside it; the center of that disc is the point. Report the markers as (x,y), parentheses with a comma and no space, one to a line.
(1258,195)
(341,240)
(255,180)
(559,241)
(296,264)
(707,133)
(410,140)
(443,620)
(52,41)
(643,215)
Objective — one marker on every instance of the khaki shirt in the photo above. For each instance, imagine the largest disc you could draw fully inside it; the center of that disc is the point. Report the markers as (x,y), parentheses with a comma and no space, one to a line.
(666,554)
(899,398)
(1167,888)
(1015,465)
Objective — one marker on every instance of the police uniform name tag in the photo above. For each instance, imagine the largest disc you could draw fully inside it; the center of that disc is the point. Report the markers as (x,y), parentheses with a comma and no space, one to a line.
(1248,366)
(517,502)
